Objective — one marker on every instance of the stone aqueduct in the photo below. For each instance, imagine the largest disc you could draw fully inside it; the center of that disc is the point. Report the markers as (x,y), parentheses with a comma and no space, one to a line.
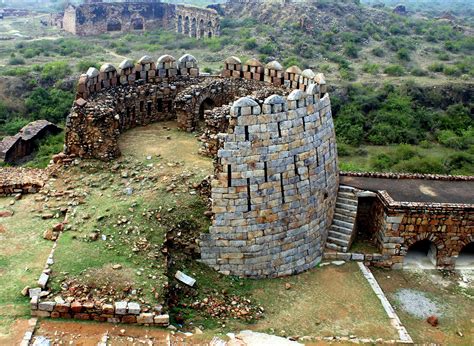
(96,17)
(276,180)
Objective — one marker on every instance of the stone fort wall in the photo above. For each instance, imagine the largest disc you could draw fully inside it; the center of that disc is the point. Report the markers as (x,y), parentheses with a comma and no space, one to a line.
(275,193)
(276,178)
(94,18)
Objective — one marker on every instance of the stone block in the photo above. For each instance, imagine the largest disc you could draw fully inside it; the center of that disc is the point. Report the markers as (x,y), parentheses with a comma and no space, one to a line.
(39,313)
(162,320)
(34,303)
(76,307)
(121,308)
(82,316)
(357,257)
(43,280)
(133,308)
(46,306)
(62,307)
(108,309)
(145,318)
(129,319)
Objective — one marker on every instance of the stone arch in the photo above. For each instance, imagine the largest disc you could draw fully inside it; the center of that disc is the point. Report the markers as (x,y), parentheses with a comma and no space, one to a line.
(186,25)
(209,29)
(465,259)
(114,24)
(202,29)
(180,24)
(427,244)
(137,23)
(206,104)
(189,110)
(194,28)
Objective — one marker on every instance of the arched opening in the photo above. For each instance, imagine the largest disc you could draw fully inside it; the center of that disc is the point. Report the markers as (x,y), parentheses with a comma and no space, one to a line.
(421,255)
(180,24)
(114,25)
(194,28)
(186,26)
(205,105)
(465,259)
(137,23)
(202,29)
(209,29)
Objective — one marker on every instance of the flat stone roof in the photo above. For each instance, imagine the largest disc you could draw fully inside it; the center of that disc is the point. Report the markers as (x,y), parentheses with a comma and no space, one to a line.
(416,190)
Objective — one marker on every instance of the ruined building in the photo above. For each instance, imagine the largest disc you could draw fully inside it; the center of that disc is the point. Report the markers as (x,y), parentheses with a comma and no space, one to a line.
(96,17)
(279,203)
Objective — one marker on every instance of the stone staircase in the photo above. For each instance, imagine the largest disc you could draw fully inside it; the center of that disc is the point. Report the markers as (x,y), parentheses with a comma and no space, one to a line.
(343,229)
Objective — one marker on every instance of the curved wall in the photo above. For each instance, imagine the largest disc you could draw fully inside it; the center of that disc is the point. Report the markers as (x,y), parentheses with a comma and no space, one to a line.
(274,199)
(276,178)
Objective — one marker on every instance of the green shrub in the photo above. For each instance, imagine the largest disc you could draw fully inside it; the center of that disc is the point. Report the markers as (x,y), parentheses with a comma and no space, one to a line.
(54,71)
(394,70)
(16,61)
(343,149)
(419,72)
(50,104)
(371,68)
(293,61)
(443,56)
(12,126)
(403,54)
(268,49)
(423,165)
(451,71)
(460,163)
(378,52)
(351,50)
(436,67)
(47,147)
(83,65)
(250,44)
(347,74)
(125,50)
(381,162)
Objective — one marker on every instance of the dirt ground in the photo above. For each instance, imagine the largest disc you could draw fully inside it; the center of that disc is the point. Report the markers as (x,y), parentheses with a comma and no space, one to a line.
(90,334)
(443,294)
(328,301)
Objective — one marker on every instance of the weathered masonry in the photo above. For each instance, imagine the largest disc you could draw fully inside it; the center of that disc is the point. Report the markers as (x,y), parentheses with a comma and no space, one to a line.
(96,17)
(430,216)
(270,130)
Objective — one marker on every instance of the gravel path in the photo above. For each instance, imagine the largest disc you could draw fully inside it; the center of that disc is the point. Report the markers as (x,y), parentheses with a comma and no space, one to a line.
(417,304)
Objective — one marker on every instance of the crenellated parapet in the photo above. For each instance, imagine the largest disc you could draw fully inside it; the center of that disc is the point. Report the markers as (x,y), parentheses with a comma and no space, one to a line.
(273,73)
(145,70)
(169,69)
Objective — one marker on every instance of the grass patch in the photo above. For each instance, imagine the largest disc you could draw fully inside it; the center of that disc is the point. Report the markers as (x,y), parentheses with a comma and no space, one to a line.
(23,253)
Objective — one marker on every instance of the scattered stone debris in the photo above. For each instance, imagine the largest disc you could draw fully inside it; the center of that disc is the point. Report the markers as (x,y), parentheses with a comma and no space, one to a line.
(185,278)
(223,307)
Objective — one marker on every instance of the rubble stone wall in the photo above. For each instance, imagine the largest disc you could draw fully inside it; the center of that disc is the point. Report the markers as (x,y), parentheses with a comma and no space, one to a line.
(449,226)
(135,16)
(274,198)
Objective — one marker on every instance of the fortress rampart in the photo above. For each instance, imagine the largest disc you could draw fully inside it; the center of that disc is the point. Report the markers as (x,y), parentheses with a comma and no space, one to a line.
(272,136)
